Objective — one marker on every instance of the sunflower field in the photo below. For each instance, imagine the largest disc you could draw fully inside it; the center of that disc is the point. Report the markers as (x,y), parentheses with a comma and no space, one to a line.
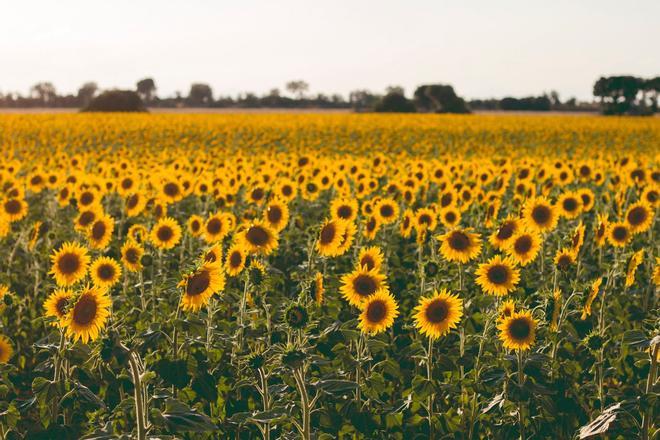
(329,277)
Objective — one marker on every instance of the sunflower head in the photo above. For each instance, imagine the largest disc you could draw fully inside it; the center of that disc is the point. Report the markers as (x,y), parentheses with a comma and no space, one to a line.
(540,215)
(564,258)
(619,234)
(498,276)
(131,256)
(69,264)
(56,305)
(371,258)
(105,272)
(460,245)
(517,332)
(166,233)
(6,349)
(296,316)
(199,286)
(378,313)
(88,313)
(361,284)
(639,217)
(259,238)
(436,315)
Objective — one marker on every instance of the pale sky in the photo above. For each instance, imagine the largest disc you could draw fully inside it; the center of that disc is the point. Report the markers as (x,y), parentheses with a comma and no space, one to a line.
(484,48)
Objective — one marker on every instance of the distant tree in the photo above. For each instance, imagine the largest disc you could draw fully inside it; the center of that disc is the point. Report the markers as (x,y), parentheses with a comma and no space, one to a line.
(146,88)
(439,98)
(618,94)
(86,93)
(652,86)
(116,101)
(395,89)
(362,100)
(395,102)
(297,88)
(530,103)
(44,91)
(200,94)
(274,93)
(554,99)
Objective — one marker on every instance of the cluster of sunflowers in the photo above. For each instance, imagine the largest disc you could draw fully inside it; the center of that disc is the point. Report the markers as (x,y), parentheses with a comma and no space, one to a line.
(335,248)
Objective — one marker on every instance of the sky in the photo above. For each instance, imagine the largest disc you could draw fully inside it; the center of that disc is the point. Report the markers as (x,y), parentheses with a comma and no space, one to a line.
(483,48)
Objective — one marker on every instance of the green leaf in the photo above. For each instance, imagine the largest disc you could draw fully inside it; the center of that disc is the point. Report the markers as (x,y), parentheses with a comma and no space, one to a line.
(338,387)
(181,418)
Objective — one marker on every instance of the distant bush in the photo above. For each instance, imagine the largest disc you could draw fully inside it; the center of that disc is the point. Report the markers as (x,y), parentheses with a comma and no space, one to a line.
(530,103)
(116,101)
(395,103)
(439,98)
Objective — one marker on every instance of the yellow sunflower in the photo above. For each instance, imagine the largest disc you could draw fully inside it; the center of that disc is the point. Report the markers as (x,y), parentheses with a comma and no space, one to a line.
(618,234)
(425,220)
(564,258)
(15,209)
(570,205)
(344,209)
(105,272)
(450,216)
(277,214)
(100,232)
(459,245)
(502,236)
(201,285)
(362,283)
(639,217)
(194,224)
(215,228)
(498,276)
(524,246)
(330,237)
(507,309)
(317,289)
(371,258)
(378,313)
(539,214)
(6,350)
(235,261)
(595,288)
(259,238)
(517,332)
(438,314)
(88,314)
(406,225)
(69,264)
(386,210)
(166,233)
(131,256)
(135,204)
(633,264)
(371,227)
(56,305)
(601,228)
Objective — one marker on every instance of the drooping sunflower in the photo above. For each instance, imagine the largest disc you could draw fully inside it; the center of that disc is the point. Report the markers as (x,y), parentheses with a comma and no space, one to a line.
(15,209)
(371,227)
(215,228)
(564,258)
(618,234)
(70,264)
(593,292)
(460,245)
(131,256)
(371,258)
(235,261)
(166,233)
(601,228)
(386,210)
(507,309)
(330,237)
(578,238)
(277,214)
(199,286)
(524,246)
(259,238)
(517,332)
(362,283)
(406,225)
(633,264)
(502,236)
(100,232)
(194,224)
(639,217)
(344,209)
(6,350)
(438,314)
(105,272)
(498,276)
(347,238)
(88,315)
(317,290)
(570,205)
(557,300)
(539,214)
(378,313)
(656,272)
(56,305)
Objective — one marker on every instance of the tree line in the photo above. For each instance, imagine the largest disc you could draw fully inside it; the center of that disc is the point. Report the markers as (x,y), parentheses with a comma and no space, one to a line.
(616,95)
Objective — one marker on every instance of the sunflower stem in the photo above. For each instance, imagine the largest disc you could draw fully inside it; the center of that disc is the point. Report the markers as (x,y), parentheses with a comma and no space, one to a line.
(139,403)
(304,401)
(650,381)
(429,377)
(521,381)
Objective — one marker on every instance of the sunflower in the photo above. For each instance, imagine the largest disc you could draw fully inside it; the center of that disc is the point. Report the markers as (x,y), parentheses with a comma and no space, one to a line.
(595,288)
(578,238)
(564,258)
(498,276)
(517,332)
(557,300)
(277,214)
(633,264)
(6,350)
(386,210)
(86,218)
(87,316)
(131,256)
(201,285)
(639,217)
(618,234)
(656,272)
(438,314)
(587,197)
(344,209)
(347,238)
(317,290)
(378,313)
(56,305)
(170,191)
(570,205)
(507,309)
(450,216)
(135,204)
(259,238)
(330,237)
(194,224)
(425,220)
(100,232)
(371,258)
(539,214)
(502,236)
(105,272)
(406,225)
(15,209)
(371,227)
(69,264)
(166,233)
(601,228)
(138,233)
(362,283)
(235,261)
(524,247)
(459,245)
(215,228)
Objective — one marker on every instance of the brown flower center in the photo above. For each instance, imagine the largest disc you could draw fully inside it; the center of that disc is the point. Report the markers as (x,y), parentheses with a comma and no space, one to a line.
(498,274)
(376,311)
(365,285)
(106,272)
(437,311)
(459,241)
(541,214)
(214,226)
(523,244)
(12,206)
(328,233)
(84,311)
(198,283)
(257,236)
(637,216)
(68,263)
